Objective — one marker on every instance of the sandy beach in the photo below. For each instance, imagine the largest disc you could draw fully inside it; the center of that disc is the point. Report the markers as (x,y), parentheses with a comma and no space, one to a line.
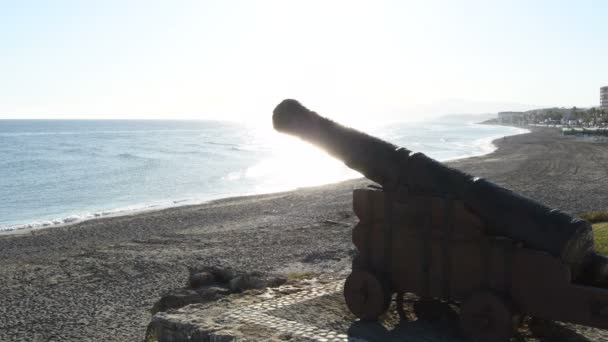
(97,280)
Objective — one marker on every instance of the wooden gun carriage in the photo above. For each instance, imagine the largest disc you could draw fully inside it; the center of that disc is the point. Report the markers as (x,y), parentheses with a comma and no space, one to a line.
(440,233)
(436,248)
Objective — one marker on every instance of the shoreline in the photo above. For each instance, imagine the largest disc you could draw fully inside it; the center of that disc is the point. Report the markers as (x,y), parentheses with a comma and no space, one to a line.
(98,279)
(71,220)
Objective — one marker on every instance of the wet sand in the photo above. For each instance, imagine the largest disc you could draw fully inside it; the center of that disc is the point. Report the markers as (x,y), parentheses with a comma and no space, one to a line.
(98,279)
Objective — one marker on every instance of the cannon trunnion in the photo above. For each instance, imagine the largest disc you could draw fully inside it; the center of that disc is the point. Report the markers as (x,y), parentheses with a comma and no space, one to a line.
(437,248)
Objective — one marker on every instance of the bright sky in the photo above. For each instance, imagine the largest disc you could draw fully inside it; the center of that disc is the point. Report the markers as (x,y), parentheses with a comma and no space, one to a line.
(237,59)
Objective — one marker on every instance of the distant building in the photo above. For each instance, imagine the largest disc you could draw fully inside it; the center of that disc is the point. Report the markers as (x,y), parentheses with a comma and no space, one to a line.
(604,97)
(510,117)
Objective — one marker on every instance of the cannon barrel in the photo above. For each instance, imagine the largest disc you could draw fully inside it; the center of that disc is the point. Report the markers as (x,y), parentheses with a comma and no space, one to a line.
(504,212)
(371,156)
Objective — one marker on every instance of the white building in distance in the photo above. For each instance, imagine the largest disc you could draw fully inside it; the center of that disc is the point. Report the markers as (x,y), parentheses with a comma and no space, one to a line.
(604,97)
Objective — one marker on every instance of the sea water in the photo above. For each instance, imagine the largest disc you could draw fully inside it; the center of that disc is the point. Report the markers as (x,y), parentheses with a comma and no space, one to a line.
(55,172)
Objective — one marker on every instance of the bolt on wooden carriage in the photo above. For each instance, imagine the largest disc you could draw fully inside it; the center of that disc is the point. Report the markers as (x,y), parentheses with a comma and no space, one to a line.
(440,233)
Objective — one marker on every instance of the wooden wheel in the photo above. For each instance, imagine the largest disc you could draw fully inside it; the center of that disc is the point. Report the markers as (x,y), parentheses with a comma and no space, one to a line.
(485,317)
(366,296)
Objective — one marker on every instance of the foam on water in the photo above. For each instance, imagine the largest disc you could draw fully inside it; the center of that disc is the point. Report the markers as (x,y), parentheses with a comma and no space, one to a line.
(62,172)
(483,146)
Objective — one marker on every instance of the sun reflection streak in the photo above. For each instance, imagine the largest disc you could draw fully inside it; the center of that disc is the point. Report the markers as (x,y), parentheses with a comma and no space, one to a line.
(293,163)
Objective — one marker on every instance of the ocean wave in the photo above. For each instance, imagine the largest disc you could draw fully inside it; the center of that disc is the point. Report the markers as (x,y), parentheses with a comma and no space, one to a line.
(130,156)
(105,132)
(119,211)
(77,218)
(236,147)
(221,144)
(82,151)
(484,146)
(44,223)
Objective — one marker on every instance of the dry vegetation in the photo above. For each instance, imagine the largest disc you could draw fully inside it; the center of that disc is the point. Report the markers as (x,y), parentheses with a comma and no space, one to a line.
(600,233)
(596,216)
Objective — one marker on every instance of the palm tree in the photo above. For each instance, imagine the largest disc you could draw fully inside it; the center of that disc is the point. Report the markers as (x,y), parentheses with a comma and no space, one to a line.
(593,114)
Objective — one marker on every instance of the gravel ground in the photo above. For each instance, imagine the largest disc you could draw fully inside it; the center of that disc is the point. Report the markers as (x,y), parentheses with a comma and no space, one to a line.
(560,171)
(97,280)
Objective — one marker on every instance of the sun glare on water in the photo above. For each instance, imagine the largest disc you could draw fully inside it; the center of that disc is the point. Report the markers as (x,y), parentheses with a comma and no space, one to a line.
(294,163)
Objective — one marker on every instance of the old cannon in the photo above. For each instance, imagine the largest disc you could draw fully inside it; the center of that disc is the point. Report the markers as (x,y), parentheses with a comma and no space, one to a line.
(440,233)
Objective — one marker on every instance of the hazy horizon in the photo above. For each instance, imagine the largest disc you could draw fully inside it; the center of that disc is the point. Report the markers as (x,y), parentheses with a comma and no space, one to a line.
(235,60)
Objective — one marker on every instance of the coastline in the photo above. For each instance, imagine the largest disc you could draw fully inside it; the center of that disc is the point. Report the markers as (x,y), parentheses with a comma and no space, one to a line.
(98,279)
(490,142)
(488,146)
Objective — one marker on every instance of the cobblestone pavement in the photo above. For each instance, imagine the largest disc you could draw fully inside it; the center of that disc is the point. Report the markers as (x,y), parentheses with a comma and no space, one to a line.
(261,314)
(317,312)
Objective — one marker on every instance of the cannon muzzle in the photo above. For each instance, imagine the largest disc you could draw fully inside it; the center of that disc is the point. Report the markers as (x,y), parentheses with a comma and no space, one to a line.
(292,118)
(374,158)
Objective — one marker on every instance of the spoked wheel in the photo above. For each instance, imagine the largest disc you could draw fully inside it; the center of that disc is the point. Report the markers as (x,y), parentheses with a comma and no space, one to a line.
(366,296)
(485,317)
